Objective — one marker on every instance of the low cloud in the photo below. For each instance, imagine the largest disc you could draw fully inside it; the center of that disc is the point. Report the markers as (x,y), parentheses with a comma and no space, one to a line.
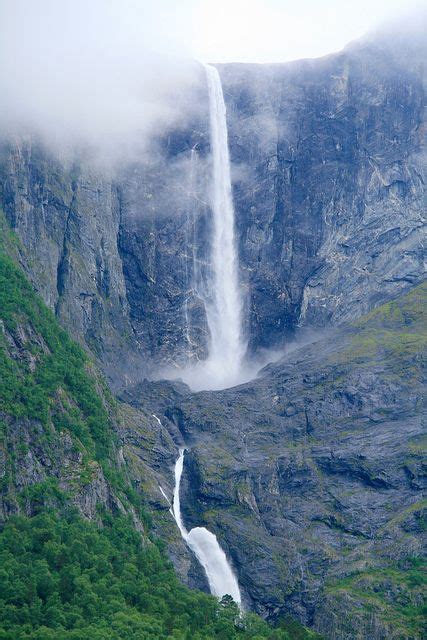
(104,74)
(110,75)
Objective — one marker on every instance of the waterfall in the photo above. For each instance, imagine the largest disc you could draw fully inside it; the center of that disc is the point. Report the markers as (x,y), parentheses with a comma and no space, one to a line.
(205,546)
(224,308)
(218,289)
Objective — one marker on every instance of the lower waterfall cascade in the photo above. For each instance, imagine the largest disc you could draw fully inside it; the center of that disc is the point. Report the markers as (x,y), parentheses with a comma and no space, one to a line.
(205,546)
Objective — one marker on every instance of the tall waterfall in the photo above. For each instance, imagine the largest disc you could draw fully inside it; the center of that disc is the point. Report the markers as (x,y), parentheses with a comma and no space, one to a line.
(224,309)
(205,546)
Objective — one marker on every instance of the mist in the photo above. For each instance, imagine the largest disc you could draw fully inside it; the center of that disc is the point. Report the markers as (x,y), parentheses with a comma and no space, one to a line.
(110,75)
(107,75)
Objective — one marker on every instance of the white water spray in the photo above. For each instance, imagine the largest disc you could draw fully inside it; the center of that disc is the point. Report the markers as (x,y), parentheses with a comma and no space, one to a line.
(205,546)
(220,289)
(224,310)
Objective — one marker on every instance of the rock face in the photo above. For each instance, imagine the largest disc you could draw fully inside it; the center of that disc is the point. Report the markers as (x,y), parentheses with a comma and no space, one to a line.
(113,253)
(67,217)
(312,475)
(328,188)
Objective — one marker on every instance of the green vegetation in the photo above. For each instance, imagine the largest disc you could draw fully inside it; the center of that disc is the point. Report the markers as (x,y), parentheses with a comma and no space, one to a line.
(397,594)
(63,577)
(296,630)
(396,331)
(66,578)
(49,381)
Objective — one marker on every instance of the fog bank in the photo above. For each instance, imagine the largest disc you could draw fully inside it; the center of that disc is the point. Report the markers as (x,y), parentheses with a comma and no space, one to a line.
(104,74)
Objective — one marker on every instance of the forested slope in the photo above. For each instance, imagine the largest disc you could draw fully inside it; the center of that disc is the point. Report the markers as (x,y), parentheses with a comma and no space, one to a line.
(77,557)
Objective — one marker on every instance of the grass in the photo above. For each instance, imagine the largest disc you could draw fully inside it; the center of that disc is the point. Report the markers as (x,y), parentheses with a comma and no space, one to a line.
(397,594)
(395,331)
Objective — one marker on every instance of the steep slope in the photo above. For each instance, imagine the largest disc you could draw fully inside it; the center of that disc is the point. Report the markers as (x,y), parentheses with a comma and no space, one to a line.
(77,558)
(312,475)
(55,410)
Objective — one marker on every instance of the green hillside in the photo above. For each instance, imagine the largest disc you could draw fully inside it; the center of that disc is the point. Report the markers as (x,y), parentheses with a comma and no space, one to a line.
(63,576)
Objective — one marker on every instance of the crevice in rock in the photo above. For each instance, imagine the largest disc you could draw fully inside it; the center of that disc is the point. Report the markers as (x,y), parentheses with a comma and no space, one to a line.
(63,267)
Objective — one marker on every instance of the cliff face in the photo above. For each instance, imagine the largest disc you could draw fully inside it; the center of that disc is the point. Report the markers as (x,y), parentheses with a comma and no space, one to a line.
(329,188)
(112,252)
(327,165)
(311,474)
(67,218)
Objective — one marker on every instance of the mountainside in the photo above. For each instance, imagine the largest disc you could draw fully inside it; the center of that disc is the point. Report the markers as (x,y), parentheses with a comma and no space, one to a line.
(78,559)
(313,474)
(328,190)
(310,475)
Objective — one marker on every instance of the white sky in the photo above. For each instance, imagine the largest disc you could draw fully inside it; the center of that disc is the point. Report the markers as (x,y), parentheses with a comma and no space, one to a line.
(275,30)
